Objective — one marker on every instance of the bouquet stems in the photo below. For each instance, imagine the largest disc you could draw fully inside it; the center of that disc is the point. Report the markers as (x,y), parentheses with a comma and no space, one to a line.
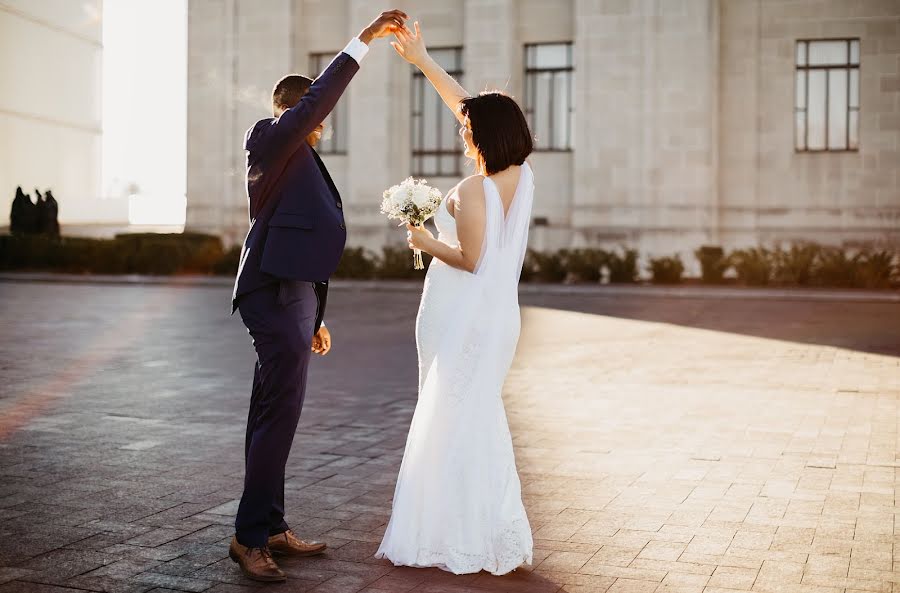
(418,264)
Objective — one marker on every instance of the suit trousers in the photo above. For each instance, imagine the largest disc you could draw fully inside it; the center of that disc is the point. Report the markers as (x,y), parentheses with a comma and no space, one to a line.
(280,318)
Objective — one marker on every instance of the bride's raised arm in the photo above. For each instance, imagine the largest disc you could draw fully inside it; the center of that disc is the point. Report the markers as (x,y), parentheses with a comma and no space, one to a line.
(411,47)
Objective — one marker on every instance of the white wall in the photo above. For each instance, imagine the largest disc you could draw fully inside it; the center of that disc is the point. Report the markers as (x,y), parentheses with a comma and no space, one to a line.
(50,106)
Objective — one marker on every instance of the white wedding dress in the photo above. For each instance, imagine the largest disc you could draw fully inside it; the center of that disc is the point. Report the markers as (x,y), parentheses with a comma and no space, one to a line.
(458,501)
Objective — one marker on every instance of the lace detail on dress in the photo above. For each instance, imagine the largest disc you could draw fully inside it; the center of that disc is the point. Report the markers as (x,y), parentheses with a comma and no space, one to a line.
(508,547)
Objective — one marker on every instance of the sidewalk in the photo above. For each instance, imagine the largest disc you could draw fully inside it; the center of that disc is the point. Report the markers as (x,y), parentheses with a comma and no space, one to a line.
(601,290)
(663,445)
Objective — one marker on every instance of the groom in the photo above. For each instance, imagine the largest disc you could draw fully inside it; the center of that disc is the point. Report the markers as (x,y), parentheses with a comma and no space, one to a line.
(295,241)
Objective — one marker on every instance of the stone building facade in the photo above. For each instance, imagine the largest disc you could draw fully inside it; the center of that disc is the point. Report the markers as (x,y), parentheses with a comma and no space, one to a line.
(51,55)
(675,123)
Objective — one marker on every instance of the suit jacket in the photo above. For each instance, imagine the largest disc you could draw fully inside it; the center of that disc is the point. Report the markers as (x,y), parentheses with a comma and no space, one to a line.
(297,229)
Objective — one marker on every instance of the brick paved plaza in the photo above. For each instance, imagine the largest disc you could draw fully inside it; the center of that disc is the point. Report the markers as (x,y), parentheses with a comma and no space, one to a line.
(679,445)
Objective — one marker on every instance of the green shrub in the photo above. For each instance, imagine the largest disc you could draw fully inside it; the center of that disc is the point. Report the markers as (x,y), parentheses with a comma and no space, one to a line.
(396,263)
(229,262)
(544,267)
(713,263)
(836,268)
(753,266)
(666,270)
(585,265)
(357,262)
(875,269)
(170,253)
(623,268)
(795,265)
(97,256)
(134,254)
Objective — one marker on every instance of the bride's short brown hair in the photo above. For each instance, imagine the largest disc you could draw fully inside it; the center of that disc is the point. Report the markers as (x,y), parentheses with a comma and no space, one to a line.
(499,130)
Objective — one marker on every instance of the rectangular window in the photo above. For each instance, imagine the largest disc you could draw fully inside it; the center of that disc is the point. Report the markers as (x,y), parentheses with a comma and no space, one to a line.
(336,122)
(549,102)
(436,145)
(826,91)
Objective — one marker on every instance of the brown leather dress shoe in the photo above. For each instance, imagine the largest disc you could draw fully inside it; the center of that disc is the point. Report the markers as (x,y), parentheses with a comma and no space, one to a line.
(255,563)
(290,545)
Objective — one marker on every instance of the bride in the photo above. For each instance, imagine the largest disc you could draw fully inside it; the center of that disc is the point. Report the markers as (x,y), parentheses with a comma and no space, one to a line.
(458,501)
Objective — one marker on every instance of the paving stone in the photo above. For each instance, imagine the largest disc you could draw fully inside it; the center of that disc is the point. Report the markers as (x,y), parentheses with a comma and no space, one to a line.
(178,583)
(663,445)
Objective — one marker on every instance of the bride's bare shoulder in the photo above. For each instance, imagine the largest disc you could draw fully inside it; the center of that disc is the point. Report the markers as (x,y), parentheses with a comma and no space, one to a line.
(471,186)
(470,196)
(466,190)
(466,181)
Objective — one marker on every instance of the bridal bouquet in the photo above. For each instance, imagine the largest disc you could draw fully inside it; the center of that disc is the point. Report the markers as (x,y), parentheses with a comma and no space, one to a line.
(412,202)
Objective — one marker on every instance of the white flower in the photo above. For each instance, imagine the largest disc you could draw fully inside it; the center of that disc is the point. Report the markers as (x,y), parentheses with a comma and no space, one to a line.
(411,201)
(421,195)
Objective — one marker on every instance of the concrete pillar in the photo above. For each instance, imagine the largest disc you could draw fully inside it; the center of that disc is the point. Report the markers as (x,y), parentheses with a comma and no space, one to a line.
(236,52)
(378,144)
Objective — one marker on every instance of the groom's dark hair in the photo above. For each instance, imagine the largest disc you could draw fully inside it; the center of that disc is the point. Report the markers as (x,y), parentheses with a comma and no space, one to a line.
(499,130)
(289,90)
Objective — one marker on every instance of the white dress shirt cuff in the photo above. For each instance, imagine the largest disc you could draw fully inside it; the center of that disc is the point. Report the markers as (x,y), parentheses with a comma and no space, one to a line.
(356,49)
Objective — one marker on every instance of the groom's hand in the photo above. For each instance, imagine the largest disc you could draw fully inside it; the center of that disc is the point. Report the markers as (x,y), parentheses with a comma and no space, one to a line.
(383,26)
(321,342)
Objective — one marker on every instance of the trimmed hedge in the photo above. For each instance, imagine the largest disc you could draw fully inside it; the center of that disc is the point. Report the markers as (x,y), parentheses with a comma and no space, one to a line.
(155,254)
(713,264)
(810,264)
(666,270)
(802,264)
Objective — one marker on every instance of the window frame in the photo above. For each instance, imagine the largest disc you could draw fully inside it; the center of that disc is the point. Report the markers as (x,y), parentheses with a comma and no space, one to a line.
(337,122)
(848,67)
(530,92)
(420,154)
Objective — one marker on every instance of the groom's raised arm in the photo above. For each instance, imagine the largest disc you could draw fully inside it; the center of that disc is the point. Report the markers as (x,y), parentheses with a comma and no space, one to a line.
(296,123)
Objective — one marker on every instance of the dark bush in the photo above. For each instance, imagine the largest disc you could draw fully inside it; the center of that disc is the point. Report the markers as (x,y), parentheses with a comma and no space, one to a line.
(795,265)
(713,263)
(623,267)
(125,254)
(396,263)
(584,265)
(801,264)
(153,253)
(544,267)
(753,266)
(666,270)
(357,262)
(875,269)
(836,268)
(228,264)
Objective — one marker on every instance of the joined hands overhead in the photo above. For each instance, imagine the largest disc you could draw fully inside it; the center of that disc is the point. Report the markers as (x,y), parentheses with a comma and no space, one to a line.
(389,22)
(410,44)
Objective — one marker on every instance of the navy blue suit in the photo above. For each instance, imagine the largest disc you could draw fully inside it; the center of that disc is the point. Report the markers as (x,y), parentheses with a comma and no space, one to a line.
(295,242)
